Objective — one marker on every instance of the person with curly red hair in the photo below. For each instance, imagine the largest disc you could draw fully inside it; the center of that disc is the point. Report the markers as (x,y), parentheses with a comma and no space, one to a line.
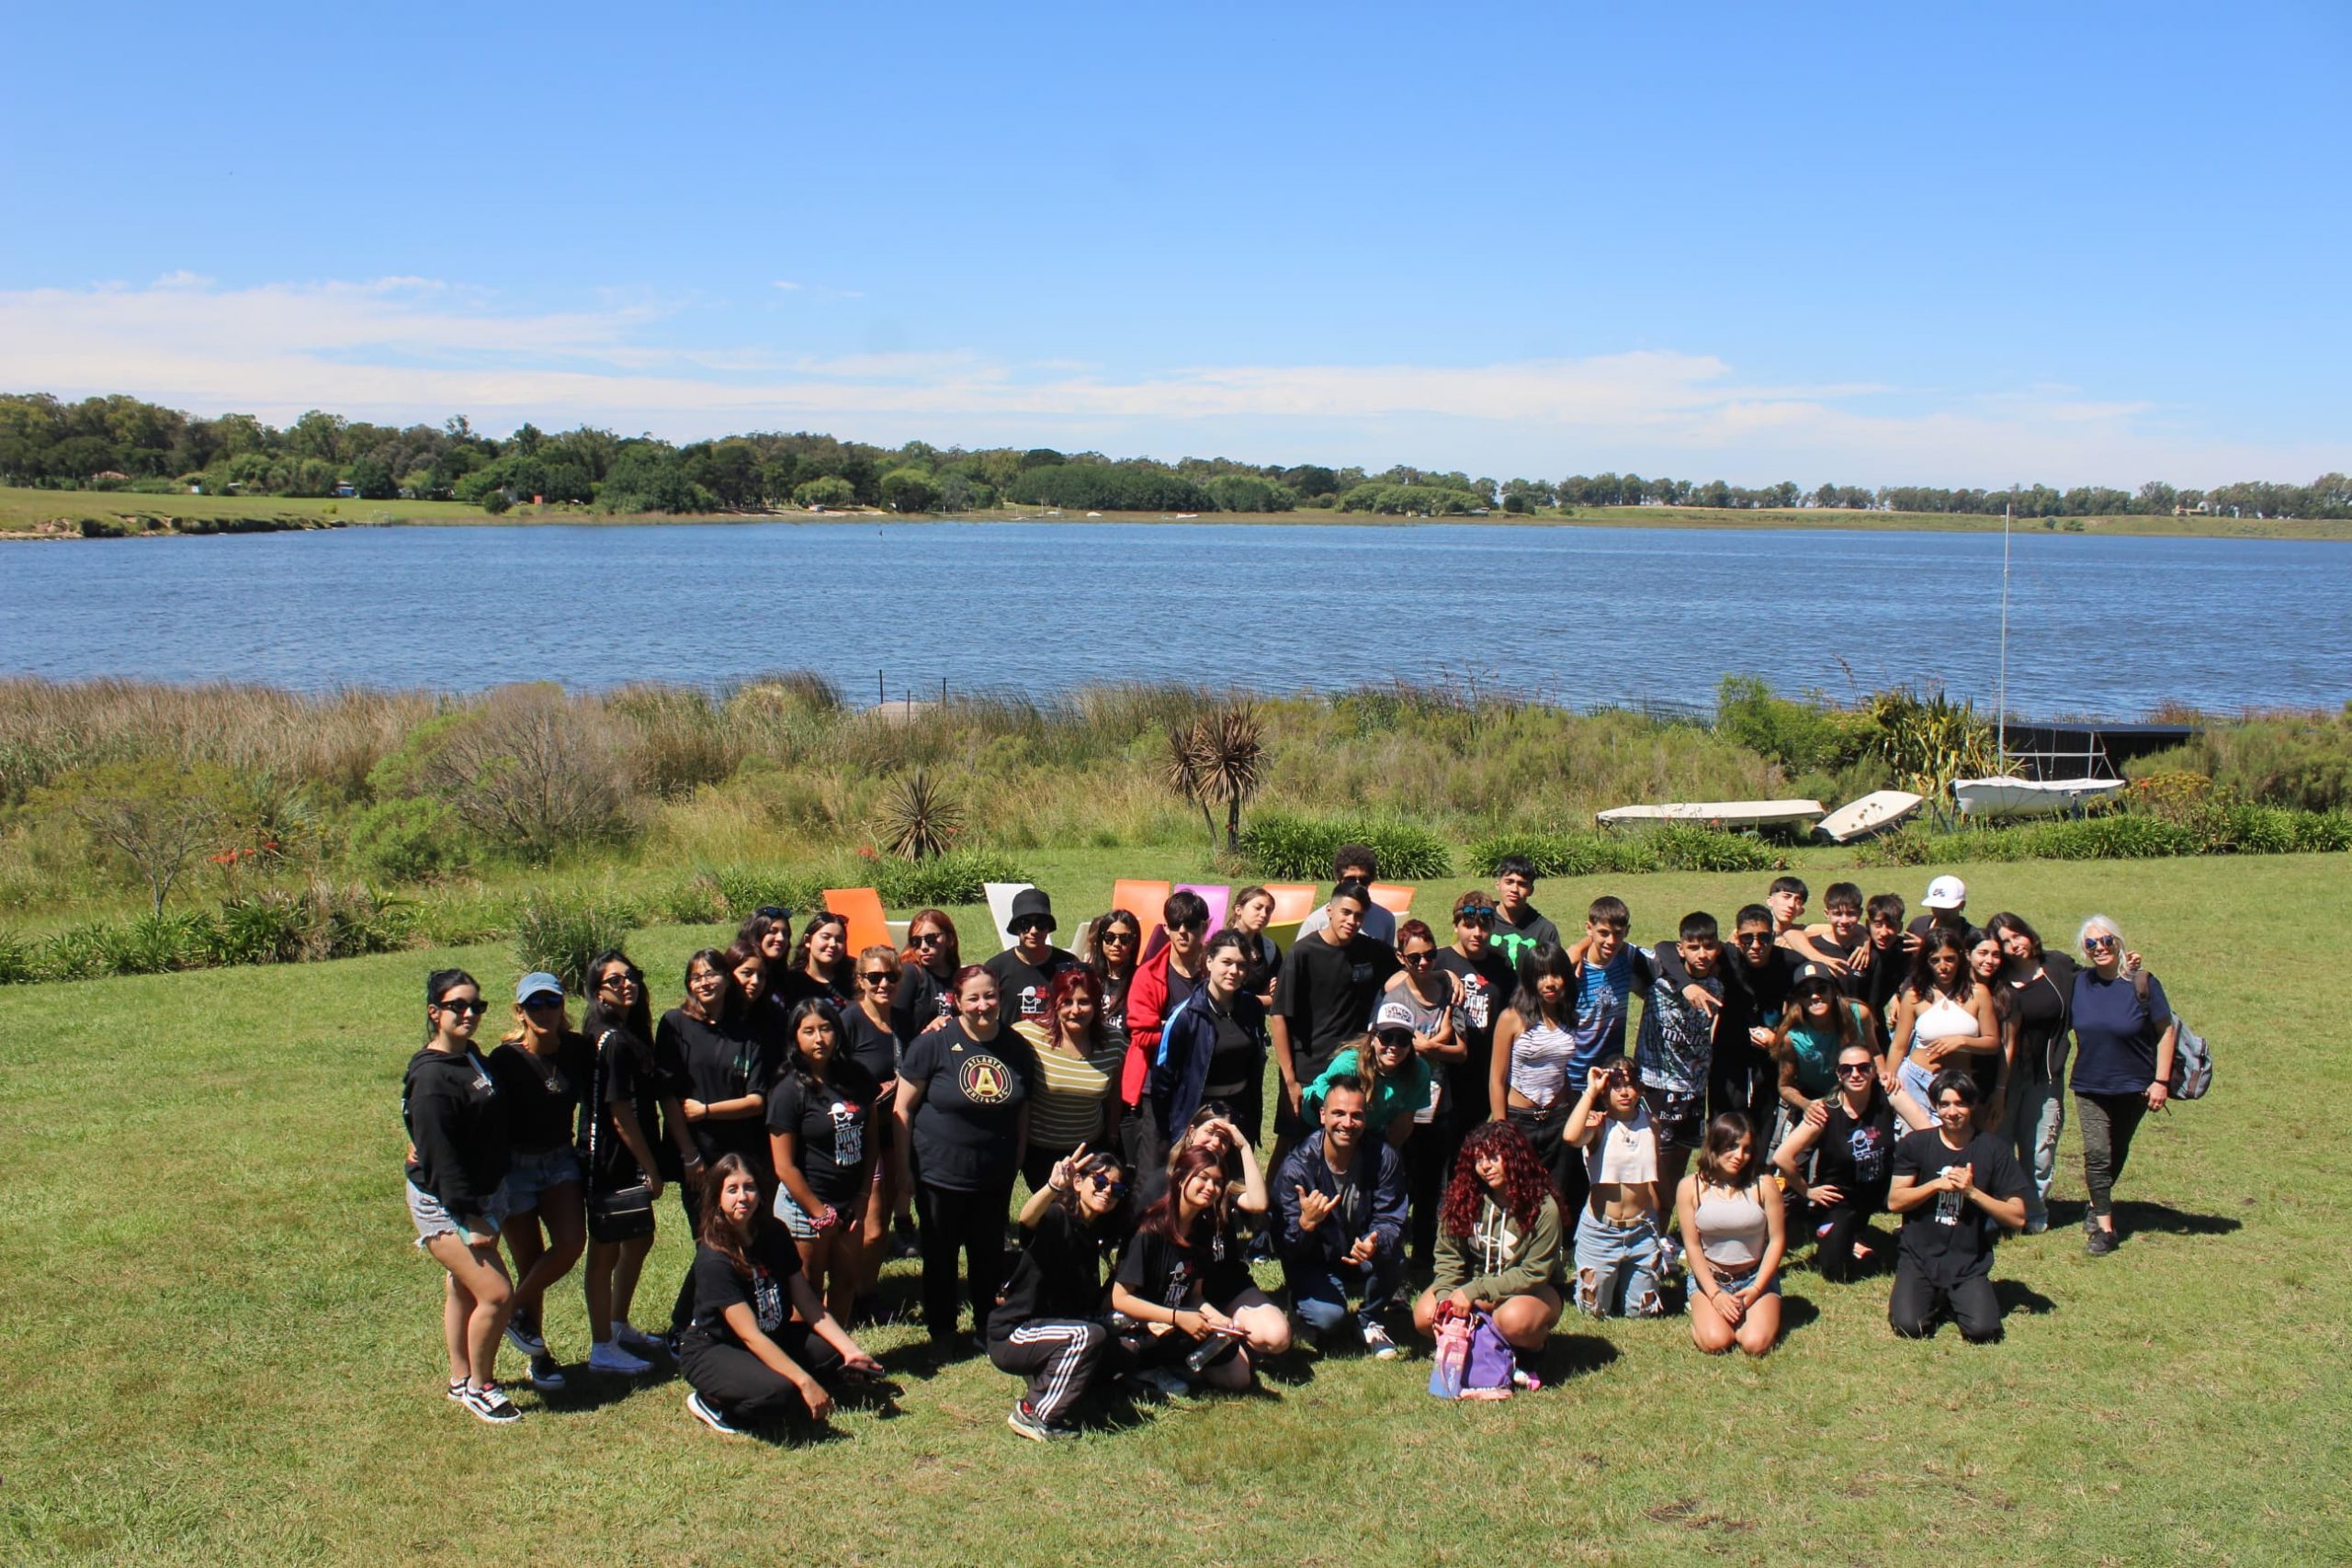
(1500,1241)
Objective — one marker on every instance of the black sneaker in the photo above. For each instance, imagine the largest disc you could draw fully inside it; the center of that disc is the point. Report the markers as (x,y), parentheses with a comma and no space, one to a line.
(1028,1422)
(523,1333)
(489,1403)
(546,1375)
(2101,1242)
(707,1413)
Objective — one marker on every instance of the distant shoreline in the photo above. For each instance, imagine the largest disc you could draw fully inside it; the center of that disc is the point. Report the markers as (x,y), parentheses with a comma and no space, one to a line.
(27,515)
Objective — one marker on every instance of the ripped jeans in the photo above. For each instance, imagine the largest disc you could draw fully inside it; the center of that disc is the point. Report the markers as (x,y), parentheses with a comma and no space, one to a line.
(1617,1266)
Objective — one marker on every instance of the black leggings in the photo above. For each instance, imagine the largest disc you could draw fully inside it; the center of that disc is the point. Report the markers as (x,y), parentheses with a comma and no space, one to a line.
(681,1312)
(1837,1228)
(1429,1153)
(1918,1303)
(973,1224)
(741,1387)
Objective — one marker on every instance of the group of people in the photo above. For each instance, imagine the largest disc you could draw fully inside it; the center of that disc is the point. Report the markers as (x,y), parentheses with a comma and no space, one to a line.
(1470,1111)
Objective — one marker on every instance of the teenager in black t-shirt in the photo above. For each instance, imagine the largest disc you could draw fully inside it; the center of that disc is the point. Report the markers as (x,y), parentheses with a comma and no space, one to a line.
(1051,1324)
(1184,1280)
(1948,1182)
(927,970)
(963,1111)
(722,1091)
(820,1141)
(631,1100)
(1331,982)
(2041,987)
(1025,972)
(1848,1141)
(455,1121)
(871,1039)
(541,1070)
(757,1338)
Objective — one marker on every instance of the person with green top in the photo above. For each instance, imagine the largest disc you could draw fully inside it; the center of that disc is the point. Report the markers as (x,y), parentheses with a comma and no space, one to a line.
(1389,1066)
(1820,1022)
(1501,1245)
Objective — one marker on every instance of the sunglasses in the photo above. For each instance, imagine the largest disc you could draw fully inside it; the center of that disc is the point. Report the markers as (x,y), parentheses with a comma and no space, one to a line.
(1852,1069)
(1033,923)
(1474,918)
(542,1003)
(2097,941)
(1118,935)
(1417,959)
(929,939)
(1752,939)
(621,981)
(459,1004)
(1190,926)
(772,913)
(881,976)
(1108,1187)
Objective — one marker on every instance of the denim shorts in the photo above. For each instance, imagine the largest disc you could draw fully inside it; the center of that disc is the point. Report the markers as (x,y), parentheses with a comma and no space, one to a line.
(432,1220)
(1616,1266)
(796,1220)
(530,1175)
(1725,1281)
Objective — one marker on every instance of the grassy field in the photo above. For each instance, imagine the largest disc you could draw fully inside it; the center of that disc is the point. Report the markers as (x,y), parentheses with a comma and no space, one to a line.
(223,1348)
(58,513)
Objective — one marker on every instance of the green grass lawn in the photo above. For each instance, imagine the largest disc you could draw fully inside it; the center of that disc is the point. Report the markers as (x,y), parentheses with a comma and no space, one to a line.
(223,1348)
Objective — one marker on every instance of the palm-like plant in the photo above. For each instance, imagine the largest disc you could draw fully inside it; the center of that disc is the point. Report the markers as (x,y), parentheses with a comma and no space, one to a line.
(918,819)
(1217,760)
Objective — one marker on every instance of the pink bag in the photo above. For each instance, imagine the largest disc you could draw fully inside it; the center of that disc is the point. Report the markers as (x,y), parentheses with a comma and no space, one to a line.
(1473,1359)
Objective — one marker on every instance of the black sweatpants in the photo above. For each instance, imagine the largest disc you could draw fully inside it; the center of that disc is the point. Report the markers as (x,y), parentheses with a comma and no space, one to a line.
(741,1387)
(1744,1079)
(1430,1152)
(2107,1123)
(1918,1301)
(1836,1229)
(971,1224)
(682,1311)
(1057,1355)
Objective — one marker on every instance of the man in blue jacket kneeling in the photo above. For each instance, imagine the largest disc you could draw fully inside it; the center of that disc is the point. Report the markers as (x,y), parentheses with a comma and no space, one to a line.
(1342,1197)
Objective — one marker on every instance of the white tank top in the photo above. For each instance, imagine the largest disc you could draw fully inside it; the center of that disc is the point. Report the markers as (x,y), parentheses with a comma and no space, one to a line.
(1942,1019)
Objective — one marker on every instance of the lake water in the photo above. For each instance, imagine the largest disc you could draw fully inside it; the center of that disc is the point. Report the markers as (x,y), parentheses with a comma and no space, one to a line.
(2107,626)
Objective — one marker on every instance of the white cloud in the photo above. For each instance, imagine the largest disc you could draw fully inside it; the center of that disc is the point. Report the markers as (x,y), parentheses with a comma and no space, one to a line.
(409,347)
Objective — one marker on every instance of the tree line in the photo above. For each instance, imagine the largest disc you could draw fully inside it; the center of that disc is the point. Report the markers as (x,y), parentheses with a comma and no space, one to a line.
(121,441)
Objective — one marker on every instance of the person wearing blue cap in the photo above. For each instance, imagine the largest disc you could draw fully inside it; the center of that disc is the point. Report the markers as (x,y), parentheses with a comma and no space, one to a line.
(541,1069)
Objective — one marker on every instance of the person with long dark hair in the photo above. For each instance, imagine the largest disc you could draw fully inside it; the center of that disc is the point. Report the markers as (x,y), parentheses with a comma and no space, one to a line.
(722,1089)
(962,1111)
(927,974)
(1943,1018)
(1051,1324)
(1735,1236)
(1212,1049)
(541,1069)
(1850,1137)
(1247,916)
(1075,1100)
(1111,944)
(1528,1079)
(2041,987)
(1820,1022)
(630,1100)
(458,1153)
(1184,1280)
(1501,1246)
(821,1122)
(768,932)
(821,964)
(1986,963)
(759,1341)
(2126,1038)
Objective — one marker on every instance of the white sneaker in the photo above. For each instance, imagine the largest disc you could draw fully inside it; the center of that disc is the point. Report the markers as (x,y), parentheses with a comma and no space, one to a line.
(606,1357)
(1377,1340)
(629,1337)
(705,1412)
(490,1404)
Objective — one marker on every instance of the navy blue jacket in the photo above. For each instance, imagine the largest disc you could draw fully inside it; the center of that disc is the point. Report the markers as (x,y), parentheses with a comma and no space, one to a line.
(1180,1067)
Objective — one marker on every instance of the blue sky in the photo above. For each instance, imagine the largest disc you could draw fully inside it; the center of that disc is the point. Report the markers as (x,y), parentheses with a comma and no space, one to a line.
(1966,244)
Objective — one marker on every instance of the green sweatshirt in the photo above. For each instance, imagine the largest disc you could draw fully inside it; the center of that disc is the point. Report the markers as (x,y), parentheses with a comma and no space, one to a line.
(1498,1258)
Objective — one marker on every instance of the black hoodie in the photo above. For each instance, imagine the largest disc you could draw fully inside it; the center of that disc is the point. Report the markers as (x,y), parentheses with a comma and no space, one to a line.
(456,1123)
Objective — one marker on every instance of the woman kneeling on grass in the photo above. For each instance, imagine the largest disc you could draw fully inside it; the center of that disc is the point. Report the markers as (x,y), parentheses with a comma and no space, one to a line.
(1187,1256)
(749,1358)
(1050,1326)
(820,1124)
(1501,1242)
(542,1072)
(459,1151)
(1732,1232)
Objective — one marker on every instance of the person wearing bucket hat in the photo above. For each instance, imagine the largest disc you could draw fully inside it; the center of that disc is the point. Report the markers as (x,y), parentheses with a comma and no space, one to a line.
(542,1069)
(1025,971)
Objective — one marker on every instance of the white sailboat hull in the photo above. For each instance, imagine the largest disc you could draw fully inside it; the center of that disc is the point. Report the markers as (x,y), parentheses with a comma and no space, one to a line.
(1716,813)
(2029,797)
(1874,813)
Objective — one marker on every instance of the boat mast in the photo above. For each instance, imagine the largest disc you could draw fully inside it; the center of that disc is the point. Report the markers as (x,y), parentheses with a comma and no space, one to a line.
(2001,717)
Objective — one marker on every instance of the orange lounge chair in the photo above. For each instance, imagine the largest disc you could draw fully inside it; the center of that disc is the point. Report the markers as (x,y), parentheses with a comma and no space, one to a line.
(1294,902)
(862,907)
(1145,900)
(1393,896)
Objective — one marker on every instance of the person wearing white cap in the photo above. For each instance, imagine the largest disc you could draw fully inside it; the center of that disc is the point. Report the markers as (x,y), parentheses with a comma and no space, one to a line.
(1395,1079)
(1946,903)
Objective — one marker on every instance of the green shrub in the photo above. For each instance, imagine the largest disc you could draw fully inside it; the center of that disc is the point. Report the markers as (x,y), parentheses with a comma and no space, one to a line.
(563,936)
(2317,831)
(1802,737)
(1908,845)
(1669,846)
(409,839)
(266,928)
(2120,837)
(1300,848)
(19,965)
(743,889)
(954,878)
